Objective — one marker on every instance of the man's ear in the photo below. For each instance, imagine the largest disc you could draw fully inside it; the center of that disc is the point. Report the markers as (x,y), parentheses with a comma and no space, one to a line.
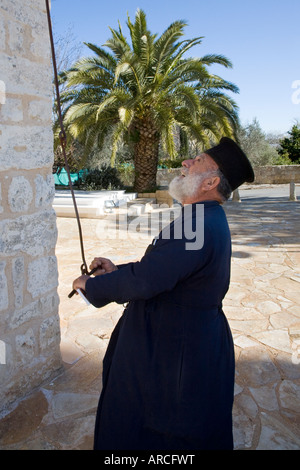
(211,183)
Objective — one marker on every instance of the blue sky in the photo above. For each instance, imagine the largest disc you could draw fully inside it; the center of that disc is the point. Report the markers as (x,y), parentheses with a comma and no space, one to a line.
(260,37)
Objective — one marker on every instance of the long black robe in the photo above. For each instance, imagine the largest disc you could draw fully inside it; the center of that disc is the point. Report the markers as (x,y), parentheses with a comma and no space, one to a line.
(168,373)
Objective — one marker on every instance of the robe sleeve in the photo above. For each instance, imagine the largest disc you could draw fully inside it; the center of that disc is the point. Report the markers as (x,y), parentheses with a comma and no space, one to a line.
(168,263)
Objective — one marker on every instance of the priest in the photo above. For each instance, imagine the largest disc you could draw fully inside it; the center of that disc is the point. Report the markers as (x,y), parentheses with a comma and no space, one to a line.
(168,372)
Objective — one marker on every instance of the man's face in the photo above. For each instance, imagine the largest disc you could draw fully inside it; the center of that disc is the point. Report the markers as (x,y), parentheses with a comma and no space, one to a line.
(199,165)
(187,187)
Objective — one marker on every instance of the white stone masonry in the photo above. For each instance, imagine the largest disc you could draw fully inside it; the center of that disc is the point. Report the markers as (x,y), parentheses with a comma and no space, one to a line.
(29,325)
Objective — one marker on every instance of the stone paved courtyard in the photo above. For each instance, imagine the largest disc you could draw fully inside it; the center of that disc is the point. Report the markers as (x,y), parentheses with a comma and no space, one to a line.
(262,307)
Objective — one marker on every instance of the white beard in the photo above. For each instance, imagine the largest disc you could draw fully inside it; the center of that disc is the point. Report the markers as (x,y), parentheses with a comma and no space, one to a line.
(181,188)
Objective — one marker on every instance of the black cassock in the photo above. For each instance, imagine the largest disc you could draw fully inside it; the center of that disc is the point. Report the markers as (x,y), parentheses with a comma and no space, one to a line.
(168,373)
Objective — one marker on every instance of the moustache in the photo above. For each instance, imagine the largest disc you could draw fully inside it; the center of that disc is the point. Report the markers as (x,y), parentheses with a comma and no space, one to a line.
(184,171)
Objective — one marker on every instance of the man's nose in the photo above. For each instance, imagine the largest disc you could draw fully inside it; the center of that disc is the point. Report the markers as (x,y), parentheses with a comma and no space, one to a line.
(187,163)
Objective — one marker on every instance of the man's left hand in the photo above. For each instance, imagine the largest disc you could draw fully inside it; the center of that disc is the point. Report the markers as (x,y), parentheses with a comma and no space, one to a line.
(80,282)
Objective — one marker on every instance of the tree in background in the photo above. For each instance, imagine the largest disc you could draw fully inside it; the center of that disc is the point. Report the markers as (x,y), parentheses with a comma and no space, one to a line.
(290,146)
(140,91)
(67,51)
(256,146)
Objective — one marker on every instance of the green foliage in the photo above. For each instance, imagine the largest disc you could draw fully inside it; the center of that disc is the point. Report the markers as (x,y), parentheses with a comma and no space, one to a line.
(105,177)
(73,152)
(283,160)
(171,163)
(126,173)
(253,141)
(290,146)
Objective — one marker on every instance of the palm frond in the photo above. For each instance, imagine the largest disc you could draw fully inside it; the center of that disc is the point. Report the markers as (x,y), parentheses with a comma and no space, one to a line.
(137,30)
(210,59)
(117,43)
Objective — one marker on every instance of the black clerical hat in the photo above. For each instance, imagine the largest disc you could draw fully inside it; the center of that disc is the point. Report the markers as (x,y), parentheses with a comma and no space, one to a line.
(232,161)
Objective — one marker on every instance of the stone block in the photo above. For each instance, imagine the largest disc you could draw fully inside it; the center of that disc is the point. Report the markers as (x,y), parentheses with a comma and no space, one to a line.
(18,273)
(37,309)
(49,333)
(24,420)
(265,397)
(49,304)
(3,287)
(25,77)
(257,366)
(34,234)
(277,339)
(25,347)
(16,32)
(40,48)
(12,111)
(64,404)
(23,315)
(32,12)
(289,393)
(2,34)
(44,191)
(22,378)
(275,435)
(40,111)
(26,148)
(20,194)
(42,275)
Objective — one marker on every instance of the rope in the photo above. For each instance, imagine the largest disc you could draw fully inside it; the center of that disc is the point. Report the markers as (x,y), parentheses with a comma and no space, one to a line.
(63,143)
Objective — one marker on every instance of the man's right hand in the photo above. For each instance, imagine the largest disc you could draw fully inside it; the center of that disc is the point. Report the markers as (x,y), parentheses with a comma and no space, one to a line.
(105,266)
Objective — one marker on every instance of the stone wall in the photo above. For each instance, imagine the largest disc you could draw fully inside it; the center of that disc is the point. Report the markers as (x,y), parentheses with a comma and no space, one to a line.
(29,322)
(276,174)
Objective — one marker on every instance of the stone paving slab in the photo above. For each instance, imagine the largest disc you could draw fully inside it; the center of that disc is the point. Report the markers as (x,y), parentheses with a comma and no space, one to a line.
(262,307)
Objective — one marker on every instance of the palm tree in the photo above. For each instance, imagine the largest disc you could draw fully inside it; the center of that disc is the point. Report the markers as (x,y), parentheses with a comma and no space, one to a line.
(139,93)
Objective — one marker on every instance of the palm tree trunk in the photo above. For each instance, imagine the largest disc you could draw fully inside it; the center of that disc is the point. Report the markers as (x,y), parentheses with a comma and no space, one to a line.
(146,157)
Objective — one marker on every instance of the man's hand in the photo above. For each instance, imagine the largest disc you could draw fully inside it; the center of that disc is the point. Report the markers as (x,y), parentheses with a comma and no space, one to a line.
(80,282)
(104,265)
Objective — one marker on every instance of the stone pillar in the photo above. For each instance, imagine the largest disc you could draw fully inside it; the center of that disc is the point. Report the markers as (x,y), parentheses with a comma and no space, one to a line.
(29,322)
(293,196)
(236,196)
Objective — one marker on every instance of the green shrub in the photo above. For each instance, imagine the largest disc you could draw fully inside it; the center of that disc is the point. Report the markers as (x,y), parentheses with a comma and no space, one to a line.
(171,163)
(283,160)
(106,177)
